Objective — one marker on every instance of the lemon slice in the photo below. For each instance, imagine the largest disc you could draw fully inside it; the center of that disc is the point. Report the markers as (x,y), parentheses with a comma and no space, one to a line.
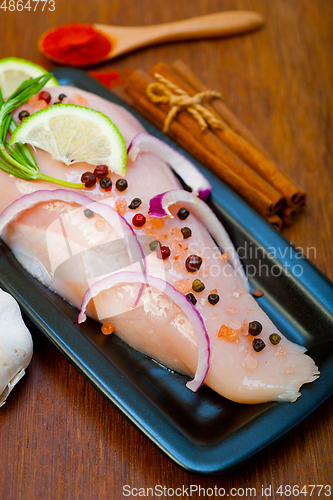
(73,134)
(14,71)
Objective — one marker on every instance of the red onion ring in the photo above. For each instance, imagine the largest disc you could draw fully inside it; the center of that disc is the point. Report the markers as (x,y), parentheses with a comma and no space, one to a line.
(147,143)
(159,207)
(108,213)
(187,307)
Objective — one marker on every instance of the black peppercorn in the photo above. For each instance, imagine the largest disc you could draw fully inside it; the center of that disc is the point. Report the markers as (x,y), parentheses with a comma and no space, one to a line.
(198,286)
(258,345)
(193,263)
(213,298)
(192,298)
(186,232)
(61,97)
(121,184)
(89,213)
(183,213)
(23,114)
(255,328)
(135,203)
(154,245)
(105,183)
(274,338)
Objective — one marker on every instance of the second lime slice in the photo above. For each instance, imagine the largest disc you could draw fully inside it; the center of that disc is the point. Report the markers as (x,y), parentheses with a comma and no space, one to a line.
(14,71)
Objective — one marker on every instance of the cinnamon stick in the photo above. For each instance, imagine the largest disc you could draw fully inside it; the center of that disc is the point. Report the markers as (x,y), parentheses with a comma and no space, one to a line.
(289,214)
(222,109)
(238,138)
(212,143)
(276,221)
(136,85)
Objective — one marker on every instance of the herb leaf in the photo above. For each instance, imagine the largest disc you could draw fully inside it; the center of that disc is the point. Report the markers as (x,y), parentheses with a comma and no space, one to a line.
(18,160)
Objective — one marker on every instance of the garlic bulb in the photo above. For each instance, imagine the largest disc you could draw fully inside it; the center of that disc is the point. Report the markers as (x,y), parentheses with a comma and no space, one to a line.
(15,345)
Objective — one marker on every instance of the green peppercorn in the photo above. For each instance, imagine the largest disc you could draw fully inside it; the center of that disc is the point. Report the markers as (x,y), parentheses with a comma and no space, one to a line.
(274,338)
(198,286)
(186,232)
(183,213)
(192,298)
(213,298)
(255,328)
(154,245)
(89,213)
(193,263)
(258,345)
(135,203)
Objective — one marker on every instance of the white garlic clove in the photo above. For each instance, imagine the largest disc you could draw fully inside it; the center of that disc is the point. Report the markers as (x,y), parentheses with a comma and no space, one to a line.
(15,345)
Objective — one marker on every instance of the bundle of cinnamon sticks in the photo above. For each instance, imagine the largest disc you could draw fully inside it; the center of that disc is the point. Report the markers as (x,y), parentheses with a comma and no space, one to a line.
(227,148)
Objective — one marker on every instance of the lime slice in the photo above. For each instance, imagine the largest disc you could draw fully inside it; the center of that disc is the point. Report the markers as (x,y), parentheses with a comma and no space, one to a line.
(73,134)
(14,71)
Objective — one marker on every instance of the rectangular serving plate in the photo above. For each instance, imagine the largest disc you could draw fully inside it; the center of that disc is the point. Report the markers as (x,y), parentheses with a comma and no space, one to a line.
(202,432)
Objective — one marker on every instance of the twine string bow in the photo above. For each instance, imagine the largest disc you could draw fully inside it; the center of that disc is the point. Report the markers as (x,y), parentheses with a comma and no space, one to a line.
(165,92)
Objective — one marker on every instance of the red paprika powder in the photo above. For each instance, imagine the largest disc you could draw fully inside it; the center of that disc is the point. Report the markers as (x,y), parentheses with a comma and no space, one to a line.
(110,79)
(75,44)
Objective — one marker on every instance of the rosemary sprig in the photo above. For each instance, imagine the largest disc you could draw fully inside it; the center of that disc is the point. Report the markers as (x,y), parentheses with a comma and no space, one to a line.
(18,160)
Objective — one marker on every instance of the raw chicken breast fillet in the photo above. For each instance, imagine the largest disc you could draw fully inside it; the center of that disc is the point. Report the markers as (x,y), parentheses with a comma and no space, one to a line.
(157,326)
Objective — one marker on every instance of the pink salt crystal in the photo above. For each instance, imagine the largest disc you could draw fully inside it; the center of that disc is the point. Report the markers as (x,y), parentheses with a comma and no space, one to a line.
(249,362)
(280,351)
(67,100)
(157,223)
(166,265)
(80,100)
(176,233)
(205,272)
(178,266)
(235,325)
(121,206)
(183,286)
(231,309)
(245,327)
(184,246)
(100,225)
(33,100)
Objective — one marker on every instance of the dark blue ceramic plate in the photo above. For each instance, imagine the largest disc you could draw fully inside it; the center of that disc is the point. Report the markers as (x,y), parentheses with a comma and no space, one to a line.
(202,432)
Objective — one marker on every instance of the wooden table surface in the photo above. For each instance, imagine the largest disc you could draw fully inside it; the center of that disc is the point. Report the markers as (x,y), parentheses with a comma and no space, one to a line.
(59,439)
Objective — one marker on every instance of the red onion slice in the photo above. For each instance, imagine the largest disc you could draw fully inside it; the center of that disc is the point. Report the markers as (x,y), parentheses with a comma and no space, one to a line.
(159,207)
(108,213)
(147,143)
(187,307)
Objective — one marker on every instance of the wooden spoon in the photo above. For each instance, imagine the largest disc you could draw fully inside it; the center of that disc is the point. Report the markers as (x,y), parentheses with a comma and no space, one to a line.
(125,38)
